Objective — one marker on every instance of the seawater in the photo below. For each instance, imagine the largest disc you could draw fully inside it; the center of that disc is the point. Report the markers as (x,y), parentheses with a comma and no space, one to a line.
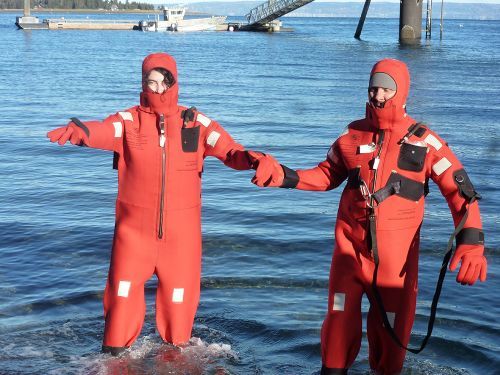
(266,252)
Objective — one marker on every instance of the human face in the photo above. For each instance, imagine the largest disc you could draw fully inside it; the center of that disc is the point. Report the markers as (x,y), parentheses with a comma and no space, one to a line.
(379,95)
(156,82)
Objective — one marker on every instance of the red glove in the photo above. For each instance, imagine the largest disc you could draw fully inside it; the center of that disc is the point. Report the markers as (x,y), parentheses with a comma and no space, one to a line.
(76,132)
(474,264)
(268,173)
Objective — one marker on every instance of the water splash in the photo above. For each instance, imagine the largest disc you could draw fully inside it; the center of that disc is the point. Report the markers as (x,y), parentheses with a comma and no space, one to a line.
(152,356)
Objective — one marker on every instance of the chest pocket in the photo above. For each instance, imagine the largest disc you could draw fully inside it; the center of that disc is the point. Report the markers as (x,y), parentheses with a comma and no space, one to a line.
(189,139)
(412,157)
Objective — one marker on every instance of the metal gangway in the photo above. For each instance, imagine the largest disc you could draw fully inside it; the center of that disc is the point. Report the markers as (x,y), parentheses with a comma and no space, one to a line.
(259,17)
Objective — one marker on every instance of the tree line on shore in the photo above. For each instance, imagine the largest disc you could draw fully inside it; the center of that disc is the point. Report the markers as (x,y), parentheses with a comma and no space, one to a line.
(77,4)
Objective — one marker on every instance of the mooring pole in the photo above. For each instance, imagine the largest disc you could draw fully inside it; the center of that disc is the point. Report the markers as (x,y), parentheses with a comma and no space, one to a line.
(428,22)
(441,25)
(362,19)
(410,21)
(27,8)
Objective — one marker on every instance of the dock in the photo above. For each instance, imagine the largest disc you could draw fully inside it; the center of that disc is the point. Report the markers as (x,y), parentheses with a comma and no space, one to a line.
(75,24)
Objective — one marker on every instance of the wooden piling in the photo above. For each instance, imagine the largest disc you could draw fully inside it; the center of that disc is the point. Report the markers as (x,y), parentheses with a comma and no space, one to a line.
(410,21)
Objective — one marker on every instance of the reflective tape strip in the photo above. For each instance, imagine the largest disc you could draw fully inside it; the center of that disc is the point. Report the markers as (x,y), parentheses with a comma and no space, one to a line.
(330,154)
(367,149)
(118,129)
(338,302)
(346,131)
(391,317)
(126,116)
(204,120)
(441,166)
(178,295)
(213,137)
(433,141)
(123,288)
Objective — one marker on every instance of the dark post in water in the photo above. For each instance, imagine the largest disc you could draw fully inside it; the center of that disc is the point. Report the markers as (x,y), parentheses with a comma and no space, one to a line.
(410,21)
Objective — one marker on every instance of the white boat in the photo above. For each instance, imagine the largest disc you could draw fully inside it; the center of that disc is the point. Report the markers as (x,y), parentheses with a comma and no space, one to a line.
(173,20)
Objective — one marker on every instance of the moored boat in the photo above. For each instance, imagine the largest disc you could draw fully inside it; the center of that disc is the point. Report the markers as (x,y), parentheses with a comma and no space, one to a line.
(173,20)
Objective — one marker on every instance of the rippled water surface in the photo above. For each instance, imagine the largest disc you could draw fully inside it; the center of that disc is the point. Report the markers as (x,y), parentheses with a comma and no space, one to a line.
(266,252)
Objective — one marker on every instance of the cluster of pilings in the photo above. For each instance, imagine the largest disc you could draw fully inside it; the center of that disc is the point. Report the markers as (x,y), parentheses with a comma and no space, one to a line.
(410,20)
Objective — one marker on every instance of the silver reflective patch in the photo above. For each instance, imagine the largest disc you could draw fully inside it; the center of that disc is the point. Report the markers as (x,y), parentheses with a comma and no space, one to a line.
(204,120)
(178,295)
(330,155)
(338,302)
(433,141)
(367,149)
(123,288)
(118,129)
(126,116)
(213,137)
(391,317)
(441,166)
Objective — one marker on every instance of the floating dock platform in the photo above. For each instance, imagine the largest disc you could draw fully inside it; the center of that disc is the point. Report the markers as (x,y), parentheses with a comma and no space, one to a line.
(75,24)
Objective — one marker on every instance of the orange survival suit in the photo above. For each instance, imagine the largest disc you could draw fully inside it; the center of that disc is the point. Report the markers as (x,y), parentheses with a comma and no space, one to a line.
(387,159)
(159,149)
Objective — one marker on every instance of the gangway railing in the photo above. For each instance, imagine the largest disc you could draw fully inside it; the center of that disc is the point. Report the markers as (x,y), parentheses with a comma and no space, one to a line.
(271,10)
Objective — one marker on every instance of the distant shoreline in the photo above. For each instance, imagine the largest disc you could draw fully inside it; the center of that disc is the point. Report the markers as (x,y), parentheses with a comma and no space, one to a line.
(98,11)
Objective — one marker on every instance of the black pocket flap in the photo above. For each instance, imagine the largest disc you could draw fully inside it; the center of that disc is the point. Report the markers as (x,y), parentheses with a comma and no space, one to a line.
(411,157)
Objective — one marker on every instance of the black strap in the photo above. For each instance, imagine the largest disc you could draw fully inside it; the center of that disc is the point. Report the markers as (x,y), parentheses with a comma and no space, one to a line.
(439,284)
(389,189)
(470,236)
(81,125)
(411,130)
(188,115)
(291,178)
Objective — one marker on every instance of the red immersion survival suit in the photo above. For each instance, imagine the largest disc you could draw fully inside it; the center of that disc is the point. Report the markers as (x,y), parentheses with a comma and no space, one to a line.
(375,157)
(159,150)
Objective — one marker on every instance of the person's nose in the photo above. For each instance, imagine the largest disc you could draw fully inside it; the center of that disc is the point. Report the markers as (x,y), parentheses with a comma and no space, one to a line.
(379,95)
(161,89)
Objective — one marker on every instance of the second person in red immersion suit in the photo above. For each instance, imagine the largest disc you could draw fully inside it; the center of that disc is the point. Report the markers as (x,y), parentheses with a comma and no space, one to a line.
(159,149)
(387,160)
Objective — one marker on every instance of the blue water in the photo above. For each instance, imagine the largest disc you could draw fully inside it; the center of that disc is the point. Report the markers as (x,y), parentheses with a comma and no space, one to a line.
(266,252)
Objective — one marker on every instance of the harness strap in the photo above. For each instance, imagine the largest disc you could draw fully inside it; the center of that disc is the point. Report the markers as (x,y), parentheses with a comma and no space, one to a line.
(397,184)
(389,189)
(439,284)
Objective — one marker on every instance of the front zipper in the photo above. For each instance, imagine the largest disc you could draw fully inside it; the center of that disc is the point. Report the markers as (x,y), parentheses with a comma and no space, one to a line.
(371,207)
(376,167)
(163,168)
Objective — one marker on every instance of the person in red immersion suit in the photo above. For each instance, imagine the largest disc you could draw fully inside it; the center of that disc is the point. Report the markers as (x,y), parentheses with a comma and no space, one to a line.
(387,159)
(159,148)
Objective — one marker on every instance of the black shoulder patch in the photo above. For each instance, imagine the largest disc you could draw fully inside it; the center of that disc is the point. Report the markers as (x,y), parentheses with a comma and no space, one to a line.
(188,115)
(421,131)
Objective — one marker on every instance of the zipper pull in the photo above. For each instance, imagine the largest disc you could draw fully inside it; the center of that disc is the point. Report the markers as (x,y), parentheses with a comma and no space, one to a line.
(162,131)
(375,164)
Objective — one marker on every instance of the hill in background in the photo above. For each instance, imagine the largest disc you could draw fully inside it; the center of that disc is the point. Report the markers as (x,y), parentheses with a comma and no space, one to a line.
(377,10)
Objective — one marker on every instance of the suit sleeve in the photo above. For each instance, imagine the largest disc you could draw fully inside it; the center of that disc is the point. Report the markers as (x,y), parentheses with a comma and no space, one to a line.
(220,144)
(327,175)
(108,134)
(454,183)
